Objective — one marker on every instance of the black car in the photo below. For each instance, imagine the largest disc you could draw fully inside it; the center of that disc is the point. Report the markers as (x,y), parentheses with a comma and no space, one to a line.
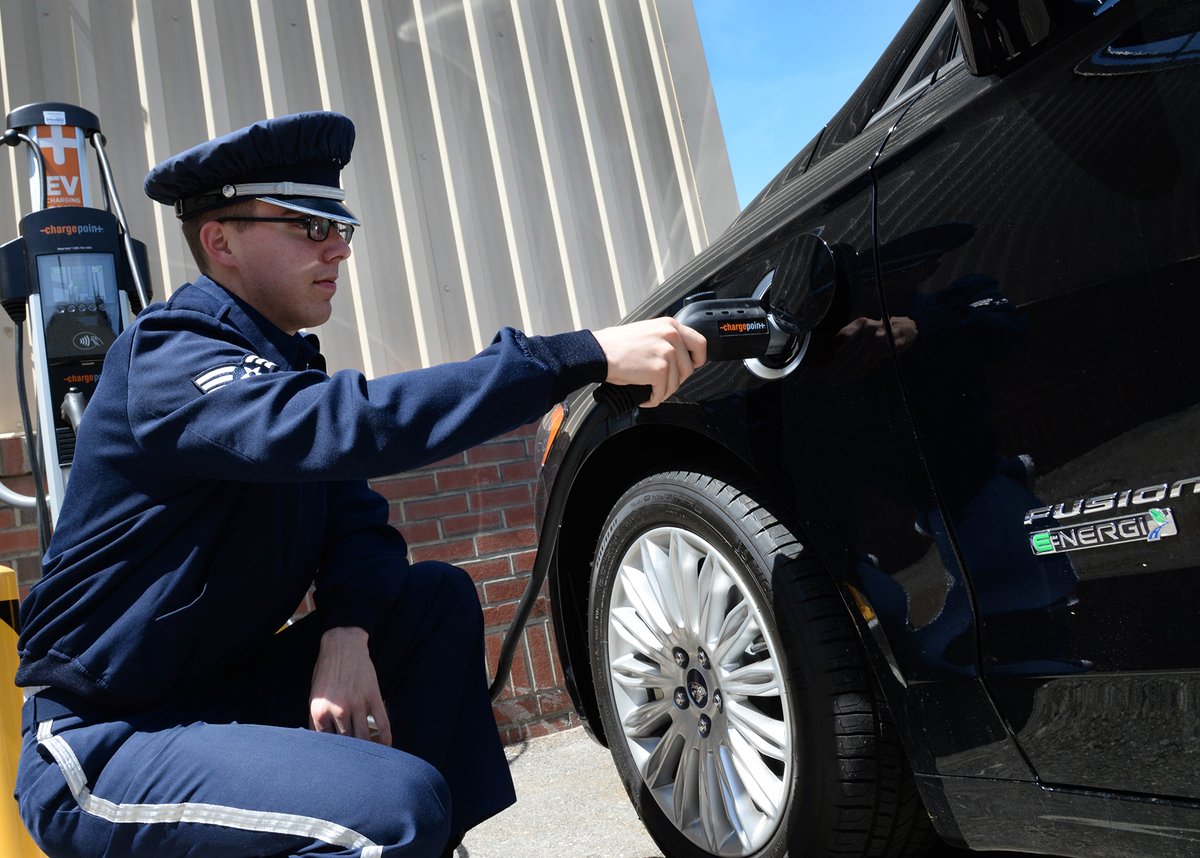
(934,570)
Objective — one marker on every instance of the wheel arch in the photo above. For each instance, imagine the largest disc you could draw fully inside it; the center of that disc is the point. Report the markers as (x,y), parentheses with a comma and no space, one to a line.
(620,461)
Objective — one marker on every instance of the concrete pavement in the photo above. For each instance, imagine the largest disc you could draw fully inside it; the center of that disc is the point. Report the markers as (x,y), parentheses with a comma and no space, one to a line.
(570,802)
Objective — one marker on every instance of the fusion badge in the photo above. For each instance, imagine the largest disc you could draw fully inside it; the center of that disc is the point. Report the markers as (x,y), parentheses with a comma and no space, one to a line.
(1149,526)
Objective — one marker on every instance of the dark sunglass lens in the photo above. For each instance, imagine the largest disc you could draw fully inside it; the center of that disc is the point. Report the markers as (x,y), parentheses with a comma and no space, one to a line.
(346,230)
(318,228)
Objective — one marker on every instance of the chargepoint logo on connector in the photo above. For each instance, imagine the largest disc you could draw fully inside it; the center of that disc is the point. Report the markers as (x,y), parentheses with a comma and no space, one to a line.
(72,229)
(742,327)
(1149,526)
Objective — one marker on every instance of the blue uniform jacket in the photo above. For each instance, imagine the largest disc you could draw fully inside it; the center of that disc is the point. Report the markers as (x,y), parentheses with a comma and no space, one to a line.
(217,476)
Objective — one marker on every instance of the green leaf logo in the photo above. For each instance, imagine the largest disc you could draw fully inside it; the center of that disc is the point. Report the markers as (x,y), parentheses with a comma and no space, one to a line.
(1158,515)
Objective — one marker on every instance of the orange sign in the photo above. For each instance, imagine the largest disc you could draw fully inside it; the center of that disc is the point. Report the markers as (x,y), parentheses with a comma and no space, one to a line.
(60,146)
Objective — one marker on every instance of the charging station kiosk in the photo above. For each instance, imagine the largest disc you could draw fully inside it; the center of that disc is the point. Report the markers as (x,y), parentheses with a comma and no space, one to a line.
(74,273)
(77,277)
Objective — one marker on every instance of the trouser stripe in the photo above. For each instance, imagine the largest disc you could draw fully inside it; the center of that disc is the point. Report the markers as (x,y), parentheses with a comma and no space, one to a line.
(196,812)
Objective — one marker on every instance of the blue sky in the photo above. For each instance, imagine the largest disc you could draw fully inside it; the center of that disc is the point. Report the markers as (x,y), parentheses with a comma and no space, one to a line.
(781,68)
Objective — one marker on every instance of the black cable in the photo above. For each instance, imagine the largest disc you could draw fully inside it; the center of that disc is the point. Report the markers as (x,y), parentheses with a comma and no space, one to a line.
(612,401)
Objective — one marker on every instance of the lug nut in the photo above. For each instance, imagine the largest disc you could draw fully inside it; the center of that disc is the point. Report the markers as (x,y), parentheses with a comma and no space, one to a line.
(681,657)
(704,726)
(702,657)
(681,697)
(717,701)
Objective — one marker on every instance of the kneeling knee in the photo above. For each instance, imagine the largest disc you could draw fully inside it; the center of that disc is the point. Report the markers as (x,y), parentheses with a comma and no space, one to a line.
(455,587)
(419,812)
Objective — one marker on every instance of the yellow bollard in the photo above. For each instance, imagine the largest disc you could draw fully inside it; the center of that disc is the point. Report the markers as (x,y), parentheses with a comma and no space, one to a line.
(14,840)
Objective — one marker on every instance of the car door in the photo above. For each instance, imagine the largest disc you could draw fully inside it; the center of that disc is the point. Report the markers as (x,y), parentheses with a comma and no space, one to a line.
(1039,250)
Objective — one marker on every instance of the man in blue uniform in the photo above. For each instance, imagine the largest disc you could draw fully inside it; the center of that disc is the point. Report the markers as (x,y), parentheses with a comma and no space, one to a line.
(219,473)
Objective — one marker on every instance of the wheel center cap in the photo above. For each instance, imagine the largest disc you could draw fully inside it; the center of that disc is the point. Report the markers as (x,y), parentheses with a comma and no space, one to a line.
(697,688)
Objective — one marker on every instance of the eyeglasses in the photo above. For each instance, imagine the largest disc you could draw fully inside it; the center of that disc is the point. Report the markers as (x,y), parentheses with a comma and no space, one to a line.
(317,228)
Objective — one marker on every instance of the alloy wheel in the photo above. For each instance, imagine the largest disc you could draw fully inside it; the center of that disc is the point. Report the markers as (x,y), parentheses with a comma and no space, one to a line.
(698,685)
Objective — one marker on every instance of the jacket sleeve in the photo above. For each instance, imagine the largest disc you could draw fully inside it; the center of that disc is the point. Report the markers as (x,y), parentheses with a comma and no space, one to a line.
(364,566)
(259,422)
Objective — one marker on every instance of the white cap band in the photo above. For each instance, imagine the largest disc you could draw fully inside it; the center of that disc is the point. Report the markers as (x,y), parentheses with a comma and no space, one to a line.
(283,189)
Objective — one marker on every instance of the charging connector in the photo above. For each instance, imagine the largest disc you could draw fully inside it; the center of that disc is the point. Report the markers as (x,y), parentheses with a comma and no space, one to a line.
(72,408)
(746,329)
(740,328)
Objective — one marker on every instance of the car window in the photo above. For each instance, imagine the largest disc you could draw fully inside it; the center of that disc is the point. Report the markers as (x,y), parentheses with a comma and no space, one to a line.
(940,48)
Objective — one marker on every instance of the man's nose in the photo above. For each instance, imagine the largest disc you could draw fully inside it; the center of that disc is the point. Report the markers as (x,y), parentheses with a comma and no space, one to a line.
(335,246)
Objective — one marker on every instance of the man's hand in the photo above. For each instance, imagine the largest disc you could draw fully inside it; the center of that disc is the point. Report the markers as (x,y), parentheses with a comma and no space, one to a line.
(659,352)
(345,688)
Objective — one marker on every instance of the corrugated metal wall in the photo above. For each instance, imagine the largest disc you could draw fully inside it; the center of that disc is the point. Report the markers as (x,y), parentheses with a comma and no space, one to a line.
(537,163)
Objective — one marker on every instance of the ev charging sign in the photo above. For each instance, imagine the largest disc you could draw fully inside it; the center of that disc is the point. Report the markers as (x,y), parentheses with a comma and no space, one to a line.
(62,153)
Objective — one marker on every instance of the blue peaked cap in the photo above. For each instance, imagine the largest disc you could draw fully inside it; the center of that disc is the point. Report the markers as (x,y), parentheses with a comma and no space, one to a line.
(292,161)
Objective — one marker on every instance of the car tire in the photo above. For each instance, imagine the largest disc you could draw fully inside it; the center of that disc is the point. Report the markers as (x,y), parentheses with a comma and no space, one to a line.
(733,689)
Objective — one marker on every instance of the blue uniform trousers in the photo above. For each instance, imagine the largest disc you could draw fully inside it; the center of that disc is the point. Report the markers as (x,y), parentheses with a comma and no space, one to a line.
(229,770)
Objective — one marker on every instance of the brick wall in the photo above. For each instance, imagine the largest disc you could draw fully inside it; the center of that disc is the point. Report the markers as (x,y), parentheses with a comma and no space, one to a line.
(18,527)
(474,510)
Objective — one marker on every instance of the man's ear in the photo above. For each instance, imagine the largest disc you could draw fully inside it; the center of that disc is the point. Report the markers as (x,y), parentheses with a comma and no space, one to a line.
(214,238)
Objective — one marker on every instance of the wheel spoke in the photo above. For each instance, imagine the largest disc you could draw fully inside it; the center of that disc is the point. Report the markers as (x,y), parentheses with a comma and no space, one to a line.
(646,721)
(713,818)
(684,562)
(687,789)
(656,563)
(631,626)
(765,734)
(662,766)
(738,808)
(763,785)
(757,679)
(643,597)
(634,673)
(714,585)
(737,632)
